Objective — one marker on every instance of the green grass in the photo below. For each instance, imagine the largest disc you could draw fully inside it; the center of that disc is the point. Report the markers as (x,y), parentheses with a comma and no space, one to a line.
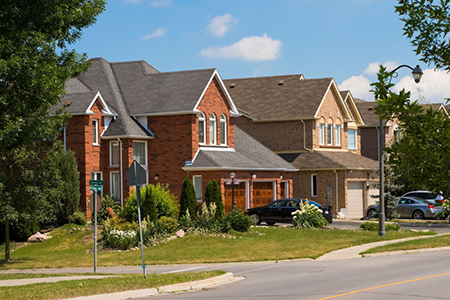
(78,288)
(432,242)
(7,276)
(73,248)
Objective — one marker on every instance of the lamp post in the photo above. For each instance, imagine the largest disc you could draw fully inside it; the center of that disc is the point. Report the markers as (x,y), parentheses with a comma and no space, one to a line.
(417,74)
(232,176)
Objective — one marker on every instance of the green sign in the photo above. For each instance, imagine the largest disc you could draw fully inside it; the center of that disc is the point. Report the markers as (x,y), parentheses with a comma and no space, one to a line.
(95,188)
(95,182)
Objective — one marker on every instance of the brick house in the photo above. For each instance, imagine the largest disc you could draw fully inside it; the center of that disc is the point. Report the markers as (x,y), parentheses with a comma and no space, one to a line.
(316,128)
(175,124)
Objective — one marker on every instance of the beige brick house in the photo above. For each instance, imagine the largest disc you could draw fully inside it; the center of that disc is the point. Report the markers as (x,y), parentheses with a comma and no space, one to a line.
(315,127)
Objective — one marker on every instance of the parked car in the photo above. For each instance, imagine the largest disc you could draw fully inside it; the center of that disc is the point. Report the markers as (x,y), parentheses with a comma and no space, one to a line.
(280,211)
(409,207)
(425,195)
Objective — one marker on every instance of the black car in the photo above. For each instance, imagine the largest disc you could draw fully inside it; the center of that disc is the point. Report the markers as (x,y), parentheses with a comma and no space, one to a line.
(280,211)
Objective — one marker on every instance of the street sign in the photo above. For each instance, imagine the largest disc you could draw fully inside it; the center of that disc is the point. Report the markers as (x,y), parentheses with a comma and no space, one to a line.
(95,188)
(140,173)
(91,202)
(95,182)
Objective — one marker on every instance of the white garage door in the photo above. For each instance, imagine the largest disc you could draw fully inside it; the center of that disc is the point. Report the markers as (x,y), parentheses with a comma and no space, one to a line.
(355,198)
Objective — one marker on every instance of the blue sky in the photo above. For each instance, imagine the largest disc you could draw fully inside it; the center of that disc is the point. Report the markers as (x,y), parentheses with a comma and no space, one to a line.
(343,39)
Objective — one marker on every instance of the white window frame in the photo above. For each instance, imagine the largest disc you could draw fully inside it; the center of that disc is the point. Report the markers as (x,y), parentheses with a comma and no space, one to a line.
(314,185)
(111,152)
(111,186)
(95,132)
(198,188)
(223,129)
(321,133)
(145,166)
(337,136)
(330,134)
(354,139)
(201,128)
(212,129)
(97,175)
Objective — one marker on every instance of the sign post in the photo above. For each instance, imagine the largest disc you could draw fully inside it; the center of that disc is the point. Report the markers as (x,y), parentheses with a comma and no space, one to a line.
(136,175)
(95,185)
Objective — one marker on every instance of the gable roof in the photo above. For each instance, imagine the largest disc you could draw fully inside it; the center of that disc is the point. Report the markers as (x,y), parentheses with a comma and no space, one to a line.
(248,154)
(367,111)
(285,97)
(350,103)
(330,160)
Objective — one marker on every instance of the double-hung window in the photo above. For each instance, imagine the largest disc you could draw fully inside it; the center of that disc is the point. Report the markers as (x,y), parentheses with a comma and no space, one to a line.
(314,185)
(140,154)
(212,129)
(223,130)
(352,139)
(321,134)
(115,185)
(337,135)
(114,153)
(201,128)
(198,188)
(329,134)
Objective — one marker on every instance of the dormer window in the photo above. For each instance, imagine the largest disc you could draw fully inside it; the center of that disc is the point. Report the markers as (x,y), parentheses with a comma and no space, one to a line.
(223,130)
(201,128)
(212,129)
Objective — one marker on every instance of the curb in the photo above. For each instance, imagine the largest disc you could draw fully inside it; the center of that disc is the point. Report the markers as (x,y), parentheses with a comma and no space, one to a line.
(174,288)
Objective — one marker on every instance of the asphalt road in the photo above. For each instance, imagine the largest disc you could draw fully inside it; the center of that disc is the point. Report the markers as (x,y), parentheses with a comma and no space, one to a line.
(408,276)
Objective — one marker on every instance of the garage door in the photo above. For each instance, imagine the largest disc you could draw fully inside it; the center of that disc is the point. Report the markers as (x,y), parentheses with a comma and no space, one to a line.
(239,196)
(355,198)
(262,193)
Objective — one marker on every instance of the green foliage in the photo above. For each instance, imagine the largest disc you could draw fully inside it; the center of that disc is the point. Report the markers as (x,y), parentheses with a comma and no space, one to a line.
(417,161)
(69,186)
(78,218)
(188,200)
(119,234)
(237,221)
(426,23)
(371,226)
(308,216)
(103,213)
(391,193)
(23,230)
(213,194)
(166,202)
(35,65)
(147,205)
(169,224)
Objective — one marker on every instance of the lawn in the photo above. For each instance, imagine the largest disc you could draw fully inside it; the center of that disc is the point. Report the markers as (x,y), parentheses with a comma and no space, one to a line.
(432,242)
(74,248)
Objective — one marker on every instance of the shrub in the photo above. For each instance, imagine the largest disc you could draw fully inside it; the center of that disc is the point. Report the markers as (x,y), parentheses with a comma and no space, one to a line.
(166,202)
(188,200)
(213,194)
(147,206)
(308,216)
(103,214)
(119,234)
(237,221)
(372,226)
(24,229)
(170,224)
(78,218)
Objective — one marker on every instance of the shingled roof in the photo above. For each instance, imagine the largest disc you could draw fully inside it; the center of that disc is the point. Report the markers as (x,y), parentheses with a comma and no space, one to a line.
(367,111)
(248,154)
(279,97)
(329,160)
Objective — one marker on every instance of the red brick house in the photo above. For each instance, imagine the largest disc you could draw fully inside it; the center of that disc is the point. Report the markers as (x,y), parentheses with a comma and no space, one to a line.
(174,124)
(316,128)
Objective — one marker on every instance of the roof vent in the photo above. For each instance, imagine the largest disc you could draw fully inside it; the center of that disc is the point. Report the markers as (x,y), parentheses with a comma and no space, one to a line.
(280,82)
(232,85)
(371,107)
(68,102)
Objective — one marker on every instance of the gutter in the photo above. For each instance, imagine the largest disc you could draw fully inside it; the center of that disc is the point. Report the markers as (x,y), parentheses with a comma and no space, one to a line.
(121,173)
(337,192)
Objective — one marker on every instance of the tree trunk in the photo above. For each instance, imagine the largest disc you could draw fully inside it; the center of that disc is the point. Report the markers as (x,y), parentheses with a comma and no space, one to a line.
(7,244)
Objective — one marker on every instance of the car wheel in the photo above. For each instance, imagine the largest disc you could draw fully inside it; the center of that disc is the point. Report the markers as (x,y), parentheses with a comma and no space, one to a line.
(418,215)
(256,219)
(270,223)
(371,213)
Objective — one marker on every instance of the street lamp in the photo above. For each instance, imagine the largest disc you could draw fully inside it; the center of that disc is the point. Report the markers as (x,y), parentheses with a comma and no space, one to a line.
(417,74)
(232,176)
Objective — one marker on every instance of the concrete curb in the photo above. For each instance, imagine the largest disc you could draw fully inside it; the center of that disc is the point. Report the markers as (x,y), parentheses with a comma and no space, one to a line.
(180,287)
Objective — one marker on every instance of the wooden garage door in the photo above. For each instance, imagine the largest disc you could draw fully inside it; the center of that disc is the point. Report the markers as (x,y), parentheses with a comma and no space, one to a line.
(355,198)
(239,196)
(262,193)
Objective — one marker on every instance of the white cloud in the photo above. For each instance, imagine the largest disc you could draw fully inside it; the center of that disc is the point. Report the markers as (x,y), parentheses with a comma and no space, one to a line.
(158,32)
(374,67)
(133,1)
(221,25)
(359,86)
(159,3)
(254,48)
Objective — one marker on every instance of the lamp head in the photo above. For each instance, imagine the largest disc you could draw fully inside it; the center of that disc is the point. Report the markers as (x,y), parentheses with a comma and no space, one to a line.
(417,74)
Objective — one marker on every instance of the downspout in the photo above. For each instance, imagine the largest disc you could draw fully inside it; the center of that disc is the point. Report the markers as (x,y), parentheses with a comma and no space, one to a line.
(65,139)
(121,171)
(337,193)
(304,137)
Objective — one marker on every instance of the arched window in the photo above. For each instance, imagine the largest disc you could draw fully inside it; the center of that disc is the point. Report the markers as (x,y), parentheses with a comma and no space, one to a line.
(223,130)
(212,129)
(201,128)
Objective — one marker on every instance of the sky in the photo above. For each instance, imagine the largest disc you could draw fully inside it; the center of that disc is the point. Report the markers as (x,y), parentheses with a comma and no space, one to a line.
(342,39)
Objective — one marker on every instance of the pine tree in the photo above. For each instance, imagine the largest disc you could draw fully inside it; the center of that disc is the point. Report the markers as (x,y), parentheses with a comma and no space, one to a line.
(213,194)
(188,200)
